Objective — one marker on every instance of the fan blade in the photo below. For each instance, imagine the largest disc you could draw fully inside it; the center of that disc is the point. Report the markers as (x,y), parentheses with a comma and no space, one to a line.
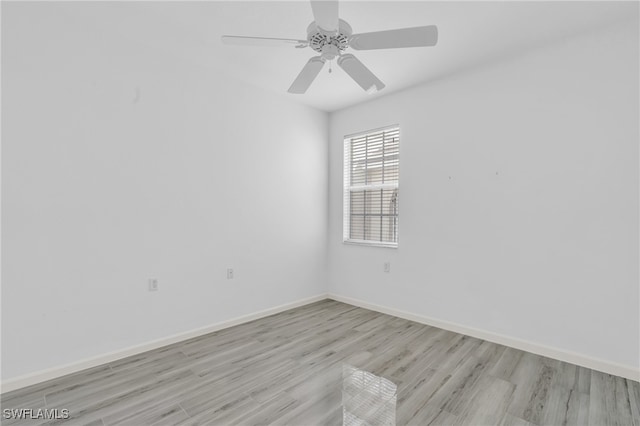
(404,37)
(361,74)
(263,41)
(307,75)
(325,13)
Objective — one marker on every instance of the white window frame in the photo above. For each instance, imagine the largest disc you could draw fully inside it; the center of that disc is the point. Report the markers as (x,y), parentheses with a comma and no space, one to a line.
(347,188)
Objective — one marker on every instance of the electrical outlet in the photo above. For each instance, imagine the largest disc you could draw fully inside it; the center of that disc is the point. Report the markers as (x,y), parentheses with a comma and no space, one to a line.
(153,284)
(229,273)
(387,266)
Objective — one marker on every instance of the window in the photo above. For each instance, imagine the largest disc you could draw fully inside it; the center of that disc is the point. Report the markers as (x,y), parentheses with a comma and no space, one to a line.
(371,171)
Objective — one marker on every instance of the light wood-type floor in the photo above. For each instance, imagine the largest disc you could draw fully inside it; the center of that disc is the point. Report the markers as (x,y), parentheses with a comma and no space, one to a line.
(289,368)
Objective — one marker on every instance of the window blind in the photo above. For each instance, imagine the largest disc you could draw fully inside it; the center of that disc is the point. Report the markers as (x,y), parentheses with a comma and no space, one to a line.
(371,178)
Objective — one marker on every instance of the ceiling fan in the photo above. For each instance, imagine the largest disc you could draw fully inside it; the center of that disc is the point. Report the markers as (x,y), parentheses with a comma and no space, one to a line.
(330,37)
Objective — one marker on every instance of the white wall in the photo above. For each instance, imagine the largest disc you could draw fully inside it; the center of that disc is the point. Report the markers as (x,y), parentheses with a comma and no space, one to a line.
(123,162)
(518,198)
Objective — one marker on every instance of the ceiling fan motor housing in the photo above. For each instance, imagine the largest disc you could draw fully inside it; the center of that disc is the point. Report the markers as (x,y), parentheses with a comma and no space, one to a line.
(329,44)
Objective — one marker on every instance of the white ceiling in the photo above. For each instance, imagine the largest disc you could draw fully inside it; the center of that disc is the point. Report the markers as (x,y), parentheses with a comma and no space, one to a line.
(470,34)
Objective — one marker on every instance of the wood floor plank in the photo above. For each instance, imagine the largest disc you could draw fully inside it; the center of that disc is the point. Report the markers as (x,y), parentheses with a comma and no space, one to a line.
(444,418)
(21,400)
(511,420)
(96,406)
(71,380)
(314,406)
(170,414)
(114,383)
(634,400)
(414,398)
(488,405)
(566,407)
(428,414)
(483,359)
(506,364)
(532,377)
(287,369)
(147,403)
(269,411)
(609,400)
(203,410)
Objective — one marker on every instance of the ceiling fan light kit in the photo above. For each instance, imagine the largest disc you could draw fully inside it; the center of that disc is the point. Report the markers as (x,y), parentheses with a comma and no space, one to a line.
(330,37)
(332,44)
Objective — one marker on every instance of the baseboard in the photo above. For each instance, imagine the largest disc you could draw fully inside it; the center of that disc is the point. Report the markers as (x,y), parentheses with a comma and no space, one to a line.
(55,372)
(632,373)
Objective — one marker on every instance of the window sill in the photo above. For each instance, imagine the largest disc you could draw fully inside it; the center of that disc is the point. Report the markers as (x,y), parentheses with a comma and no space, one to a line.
(370,243)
